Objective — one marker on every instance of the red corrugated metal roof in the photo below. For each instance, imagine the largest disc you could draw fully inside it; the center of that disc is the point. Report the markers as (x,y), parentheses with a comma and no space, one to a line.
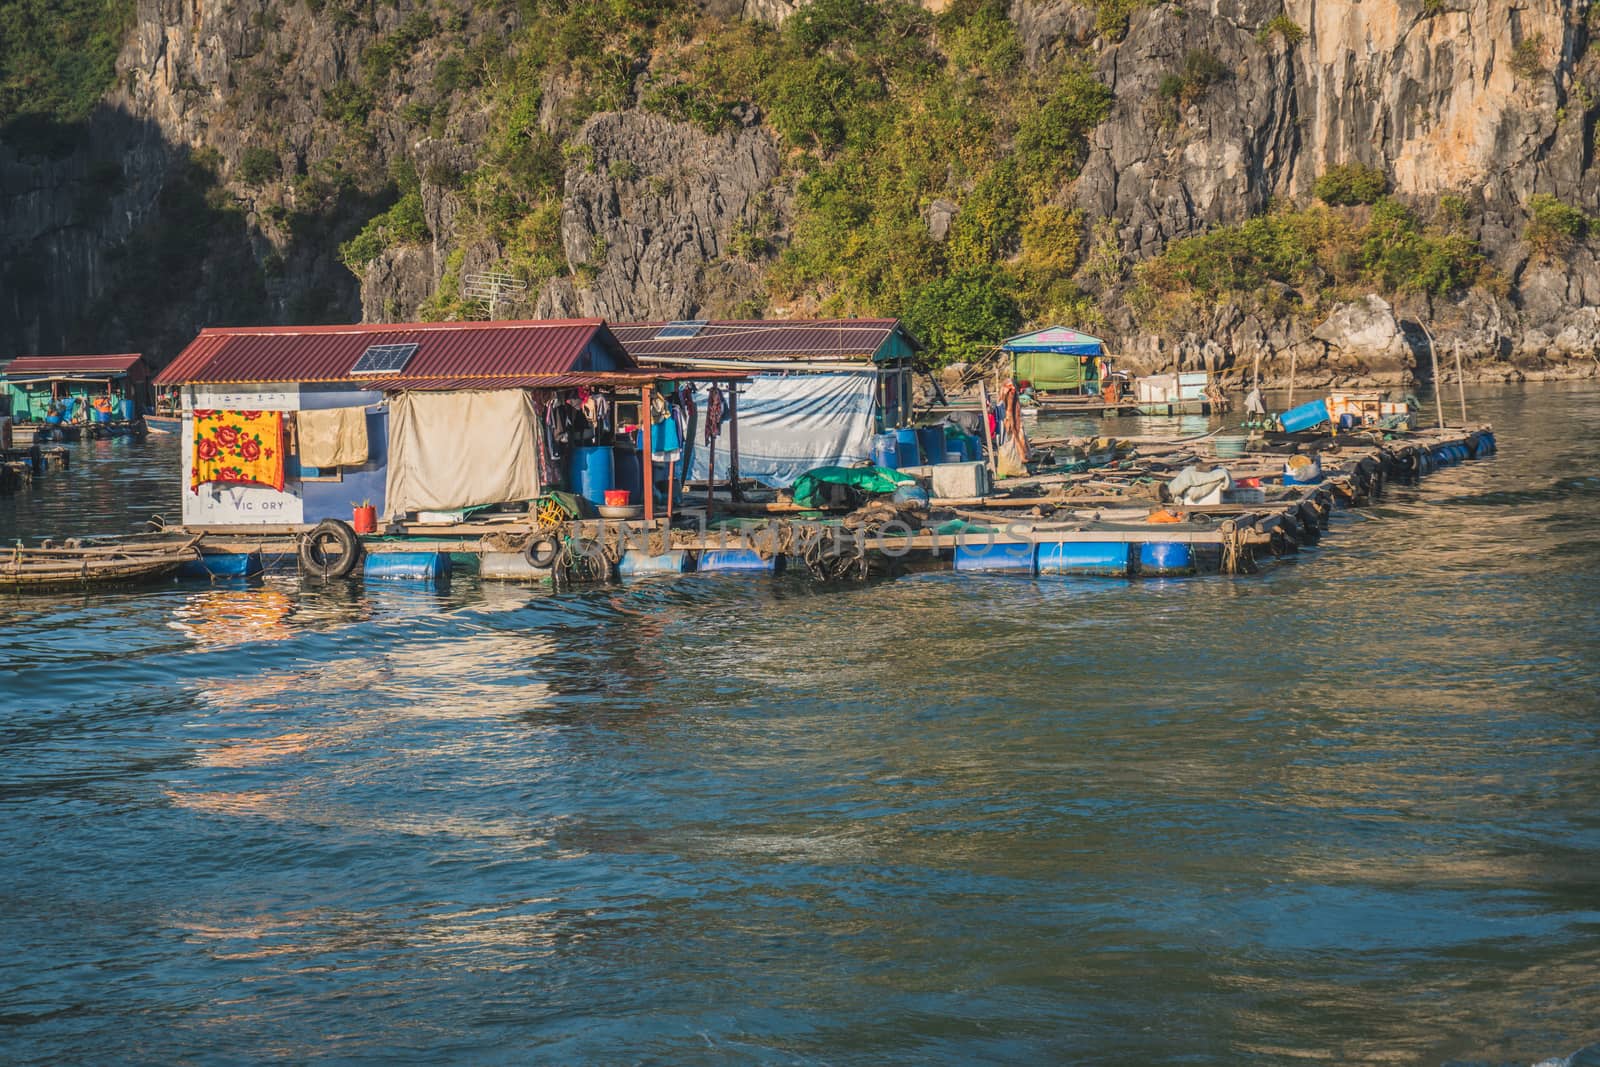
(623,379)
(446,351)
(122,363)
(764,339)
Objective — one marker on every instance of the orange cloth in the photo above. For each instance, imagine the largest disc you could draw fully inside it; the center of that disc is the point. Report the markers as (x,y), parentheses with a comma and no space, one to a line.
(238,448)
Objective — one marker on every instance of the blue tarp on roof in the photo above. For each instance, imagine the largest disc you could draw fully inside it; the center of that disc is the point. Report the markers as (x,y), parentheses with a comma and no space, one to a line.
(1057,339)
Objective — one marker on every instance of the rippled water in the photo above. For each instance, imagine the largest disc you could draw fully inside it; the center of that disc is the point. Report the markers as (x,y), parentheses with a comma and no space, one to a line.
(1346,811)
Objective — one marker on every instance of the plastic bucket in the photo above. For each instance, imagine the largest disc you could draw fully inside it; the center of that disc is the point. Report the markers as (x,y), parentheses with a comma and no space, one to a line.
(617,498)
(1230,447)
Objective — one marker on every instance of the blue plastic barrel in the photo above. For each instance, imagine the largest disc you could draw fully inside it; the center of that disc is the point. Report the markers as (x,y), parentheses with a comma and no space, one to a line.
(910,450)
(593,472)
(1103,558)
(627,472)
(126,409)
(1305,416)
(886,450)
(101,416)
(408,566)
(222,565)
(640,564)
(1010,558)
(1165,558)
(931,439)
(738,559)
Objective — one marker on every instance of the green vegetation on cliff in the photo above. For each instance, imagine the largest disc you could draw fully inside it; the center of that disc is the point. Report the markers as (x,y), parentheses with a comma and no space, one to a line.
(888,114)
(57,59)
(1310,257)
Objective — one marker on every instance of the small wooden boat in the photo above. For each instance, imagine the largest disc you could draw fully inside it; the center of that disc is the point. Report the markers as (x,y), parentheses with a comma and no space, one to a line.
(163,423)
(47,568)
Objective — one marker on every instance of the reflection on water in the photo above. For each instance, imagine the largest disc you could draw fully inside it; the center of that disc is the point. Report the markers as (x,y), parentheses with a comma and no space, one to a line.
(1341,812)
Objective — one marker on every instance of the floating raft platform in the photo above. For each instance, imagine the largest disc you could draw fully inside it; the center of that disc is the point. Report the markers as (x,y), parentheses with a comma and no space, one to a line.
(1113,519)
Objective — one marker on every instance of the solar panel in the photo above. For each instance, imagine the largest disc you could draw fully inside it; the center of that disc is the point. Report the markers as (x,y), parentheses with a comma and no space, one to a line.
(681,329)
(384,359)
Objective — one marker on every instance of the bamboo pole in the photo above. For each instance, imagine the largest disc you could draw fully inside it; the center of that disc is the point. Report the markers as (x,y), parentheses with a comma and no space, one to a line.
(1294,360)
(1461,384)
(988,434)
(1433,354)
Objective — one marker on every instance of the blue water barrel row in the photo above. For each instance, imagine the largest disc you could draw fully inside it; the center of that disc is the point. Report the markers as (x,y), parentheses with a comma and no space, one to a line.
(1101,559)
(739,560)
(915,446)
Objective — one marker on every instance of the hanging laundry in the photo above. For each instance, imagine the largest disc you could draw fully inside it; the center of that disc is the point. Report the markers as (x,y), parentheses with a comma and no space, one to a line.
(689,417)
(238,448)
(715,415)
(666,440)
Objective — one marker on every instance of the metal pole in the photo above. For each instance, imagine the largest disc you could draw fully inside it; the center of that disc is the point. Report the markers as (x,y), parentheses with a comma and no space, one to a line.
(646,474)
(1438,389)
(1461,385)
(733,441)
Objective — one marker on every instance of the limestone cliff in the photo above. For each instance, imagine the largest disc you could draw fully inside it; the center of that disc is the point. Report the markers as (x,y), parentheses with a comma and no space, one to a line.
(287,160)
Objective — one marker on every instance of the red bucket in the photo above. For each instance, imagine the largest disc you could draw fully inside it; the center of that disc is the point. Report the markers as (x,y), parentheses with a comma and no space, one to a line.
(617,498)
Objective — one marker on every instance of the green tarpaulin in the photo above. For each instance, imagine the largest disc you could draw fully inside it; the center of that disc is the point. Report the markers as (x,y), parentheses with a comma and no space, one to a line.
(834,486)
(1054,372)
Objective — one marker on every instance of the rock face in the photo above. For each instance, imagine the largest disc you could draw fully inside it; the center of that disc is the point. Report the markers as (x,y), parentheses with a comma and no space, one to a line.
(652,216)
(1219,113)
(1366,332)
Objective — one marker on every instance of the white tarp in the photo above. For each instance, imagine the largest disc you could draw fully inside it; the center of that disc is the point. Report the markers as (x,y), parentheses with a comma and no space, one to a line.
(458,450)
(791,423)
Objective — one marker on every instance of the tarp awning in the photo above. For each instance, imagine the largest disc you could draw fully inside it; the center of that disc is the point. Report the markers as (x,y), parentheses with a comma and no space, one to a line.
(458,450)
(790,424)
(1058,339)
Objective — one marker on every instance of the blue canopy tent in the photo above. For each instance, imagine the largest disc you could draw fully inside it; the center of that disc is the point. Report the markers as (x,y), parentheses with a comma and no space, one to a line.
(1057,360)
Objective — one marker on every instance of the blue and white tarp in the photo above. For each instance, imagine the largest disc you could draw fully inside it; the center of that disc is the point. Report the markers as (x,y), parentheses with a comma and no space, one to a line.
(792,423)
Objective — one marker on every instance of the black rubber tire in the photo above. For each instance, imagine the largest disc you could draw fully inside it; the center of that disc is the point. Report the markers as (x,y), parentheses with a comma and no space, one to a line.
(541,550)
(314,557)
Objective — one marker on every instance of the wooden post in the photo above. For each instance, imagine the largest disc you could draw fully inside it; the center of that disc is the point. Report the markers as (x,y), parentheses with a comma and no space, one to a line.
(1438,386)
(1255,370)
(988,434)
(711,458)
(733,441)
(645,473)
(1294,359)
(1461,385)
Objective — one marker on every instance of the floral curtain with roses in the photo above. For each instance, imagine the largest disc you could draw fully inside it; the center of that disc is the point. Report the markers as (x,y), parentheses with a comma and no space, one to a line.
(238,448)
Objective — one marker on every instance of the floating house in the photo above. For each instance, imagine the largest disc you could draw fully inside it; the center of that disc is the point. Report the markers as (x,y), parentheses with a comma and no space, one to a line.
(1058,360)
(117,385)
(291,425)
(819,389)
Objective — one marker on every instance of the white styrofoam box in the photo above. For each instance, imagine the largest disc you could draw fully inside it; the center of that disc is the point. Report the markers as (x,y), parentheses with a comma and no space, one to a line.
(953,480)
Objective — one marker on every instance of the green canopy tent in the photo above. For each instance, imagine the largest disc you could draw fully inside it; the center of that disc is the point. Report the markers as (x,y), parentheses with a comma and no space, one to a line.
(1057,360)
